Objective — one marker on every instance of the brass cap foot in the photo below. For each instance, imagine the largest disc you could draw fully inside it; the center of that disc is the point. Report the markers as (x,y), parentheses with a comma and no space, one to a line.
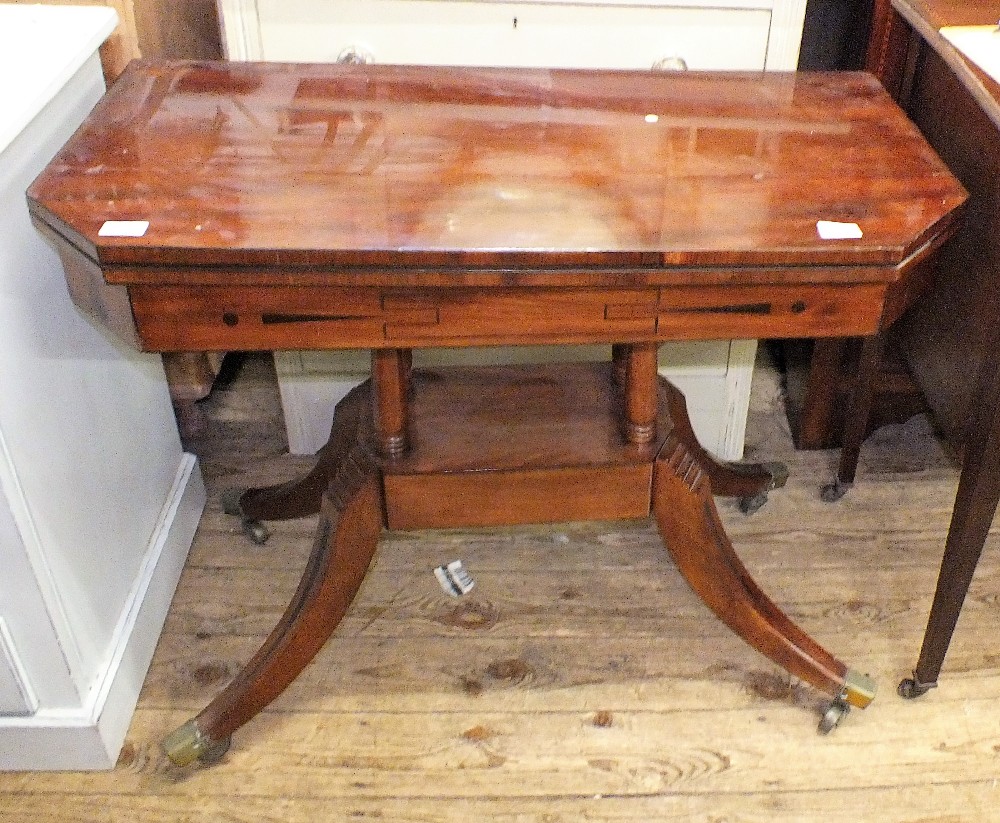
(859,689)
(187,743)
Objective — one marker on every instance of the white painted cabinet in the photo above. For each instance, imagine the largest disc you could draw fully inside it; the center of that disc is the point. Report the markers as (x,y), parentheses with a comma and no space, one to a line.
(461,32)
(98,501)
(700,35)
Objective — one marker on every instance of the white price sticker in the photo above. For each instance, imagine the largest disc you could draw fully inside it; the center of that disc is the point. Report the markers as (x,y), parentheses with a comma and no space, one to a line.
(123,228)
(832,230)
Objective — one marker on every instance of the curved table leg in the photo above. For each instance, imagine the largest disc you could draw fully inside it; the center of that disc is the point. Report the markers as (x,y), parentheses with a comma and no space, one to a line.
(751,482)
(689,523)
(351,520)
(301,497)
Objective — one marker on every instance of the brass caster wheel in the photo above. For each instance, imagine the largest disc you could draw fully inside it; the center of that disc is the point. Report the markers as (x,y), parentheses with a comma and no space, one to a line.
(831,718)
(779,476)
(832,492)
(254,529)
(858,690)
(187,743)
(910,688)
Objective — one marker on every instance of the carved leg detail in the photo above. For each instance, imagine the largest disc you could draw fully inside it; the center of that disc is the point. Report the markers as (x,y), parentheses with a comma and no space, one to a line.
(690,526)
(351,521)
(749,481)
(301,497)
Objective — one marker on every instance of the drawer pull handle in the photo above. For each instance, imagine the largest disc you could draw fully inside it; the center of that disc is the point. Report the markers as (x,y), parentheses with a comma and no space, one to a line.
(674,63)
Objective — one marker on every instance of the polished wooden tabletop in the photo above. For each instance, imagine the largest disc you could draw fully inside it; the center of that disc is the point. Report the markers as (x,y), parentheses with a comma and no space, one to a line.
(326,165)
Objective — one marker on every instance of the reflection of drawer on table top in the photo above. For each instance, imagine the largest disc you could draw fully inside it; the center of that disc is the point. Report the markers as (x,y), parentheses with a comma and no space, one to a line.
(458,32)
(317,317)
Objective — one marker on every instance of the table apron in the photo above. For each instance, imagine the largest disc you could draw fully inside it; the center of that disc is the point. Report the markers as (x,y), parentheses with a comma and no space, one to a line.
(206,318)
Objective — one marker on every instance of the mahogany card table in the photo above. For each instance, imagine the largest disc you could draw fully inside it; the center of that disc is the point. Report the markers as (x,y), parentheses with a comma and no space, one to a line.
(243,206)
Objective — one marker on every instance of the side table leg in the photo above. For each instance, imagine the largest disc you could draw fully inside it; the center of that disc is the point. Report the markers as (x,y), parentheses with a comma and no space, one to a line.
(975,508)
(351,520)
(859,410)
(818,422)
(689,524)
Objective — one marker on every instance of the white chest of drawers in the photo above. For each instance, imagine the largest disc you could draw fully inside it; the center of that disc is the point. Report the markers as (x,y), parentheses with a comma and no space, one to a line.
(98,501)
(748,35)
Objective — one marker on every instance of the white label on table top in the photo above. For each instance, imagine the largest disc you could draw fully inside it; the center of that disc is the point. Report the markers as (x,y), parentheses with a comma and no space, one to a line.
(981,44)
(834,230)
(123,228)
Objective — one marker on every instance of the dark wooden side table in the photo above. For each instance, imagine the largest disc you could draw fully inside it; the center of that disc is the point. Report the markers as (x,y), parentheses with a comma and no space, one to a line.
(949,341)
(219,206)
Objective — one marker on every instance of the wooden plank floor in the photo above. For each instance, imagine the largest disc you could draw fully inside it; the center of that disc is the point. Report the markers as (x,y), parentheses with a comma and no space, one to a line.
(580,680)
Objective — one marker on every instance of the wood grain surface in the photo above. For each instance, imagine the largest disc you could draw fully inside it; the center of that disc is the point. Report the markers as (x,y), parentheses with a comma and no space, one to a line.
(322,165)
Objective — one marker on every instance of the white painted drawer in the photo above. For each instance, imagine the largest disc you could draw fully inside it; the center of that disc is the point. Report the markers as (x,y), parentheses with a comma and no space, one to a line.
(571,35)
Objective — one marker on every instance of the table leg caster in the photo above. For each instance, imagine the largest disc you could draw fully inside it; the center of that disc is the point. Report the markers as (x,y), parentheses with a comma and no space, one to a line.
(254,529)
(910,688)
(779,476)
(835,712)
(832,492)
(858,690)
(187,743)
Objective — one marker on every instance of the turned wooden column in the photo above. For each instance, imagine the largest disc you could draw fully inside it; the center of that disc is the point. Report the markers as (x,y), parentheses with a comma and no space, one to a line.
(390,378)
(641,391)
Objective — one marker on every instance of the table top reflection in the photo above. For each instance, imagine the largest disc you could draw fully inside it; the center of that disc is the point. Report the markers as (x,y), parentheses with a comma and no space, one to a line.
(271,164)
